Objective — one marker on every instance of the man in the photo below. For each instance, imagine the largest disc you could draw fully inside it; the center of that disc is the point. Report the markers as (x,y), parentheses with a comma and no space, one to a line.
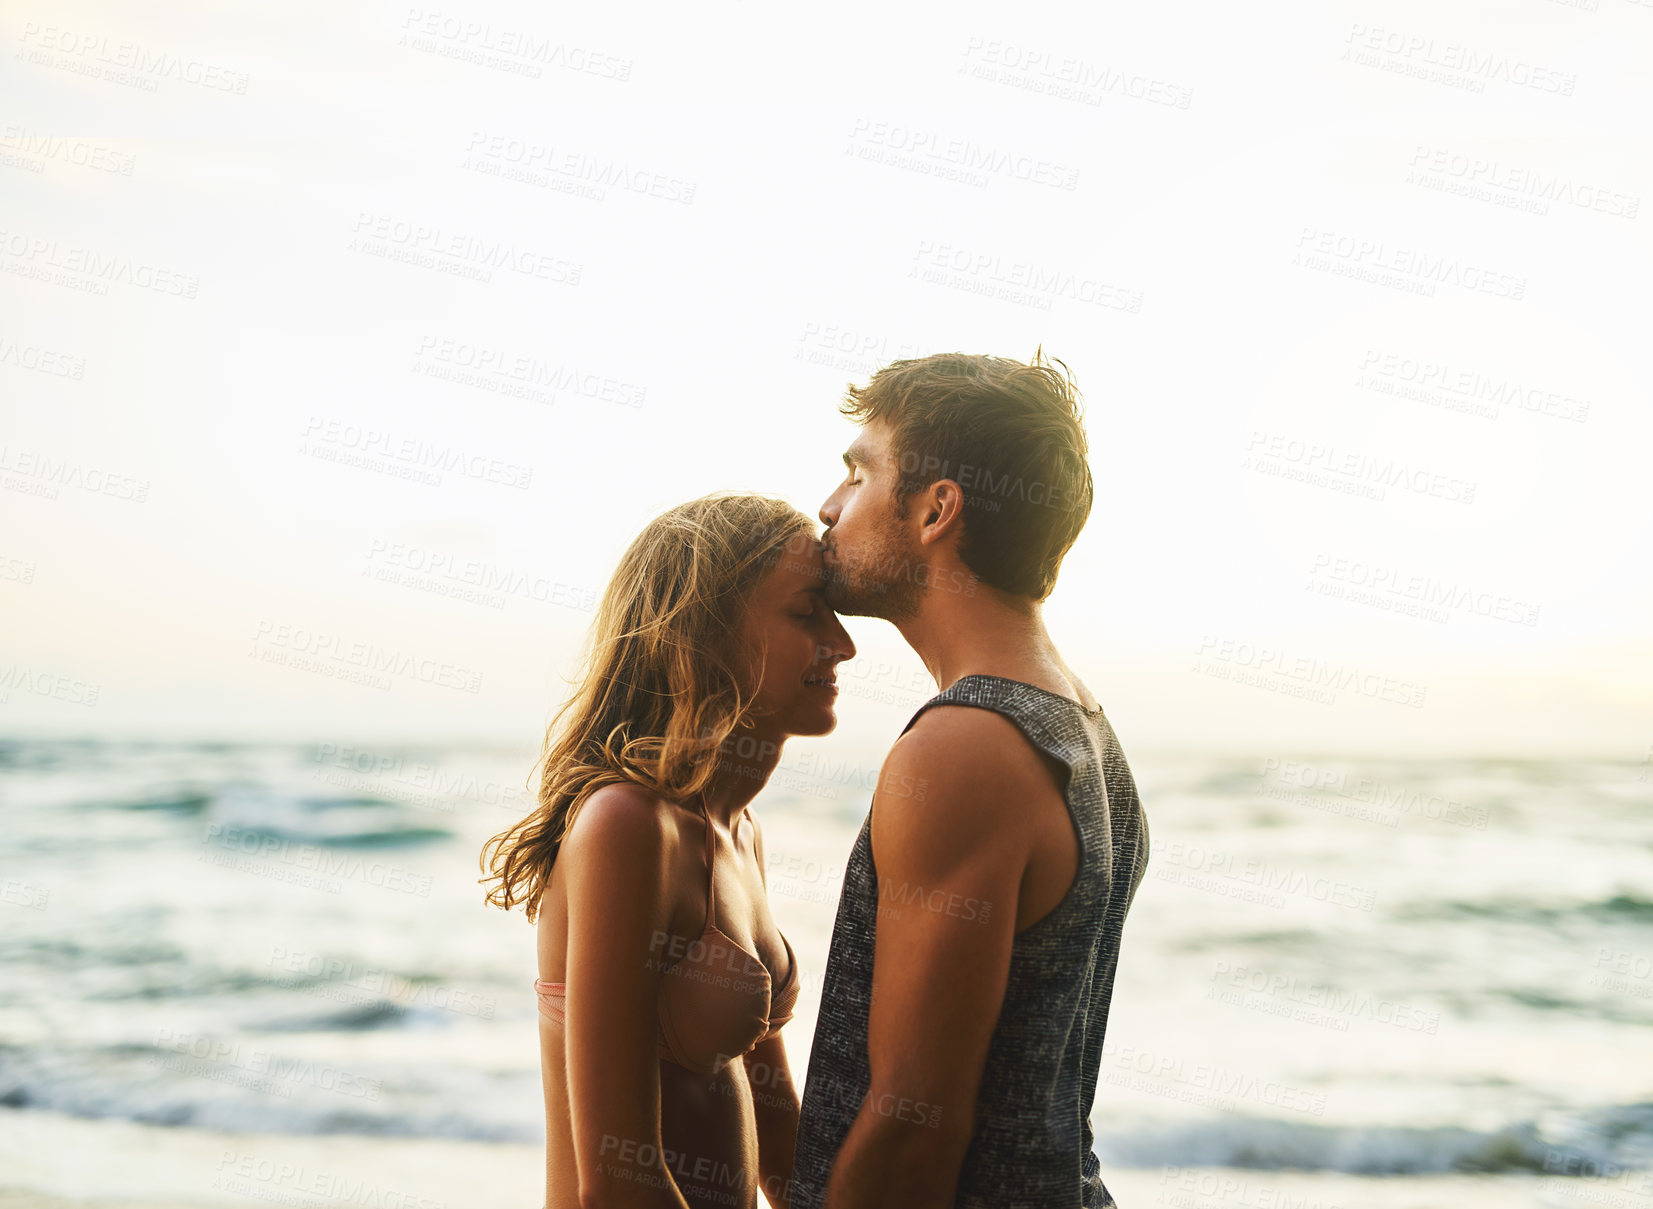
(972,961)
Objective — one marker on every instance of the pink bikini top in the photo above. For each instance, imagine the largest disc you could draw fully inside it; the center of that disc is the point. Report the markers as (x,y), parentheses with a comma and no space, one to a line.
(716,1000)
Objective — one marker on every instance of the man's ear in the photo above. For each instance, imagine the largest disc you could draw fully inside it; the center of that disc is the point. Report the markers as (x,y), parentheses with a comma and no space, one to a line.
(941,511)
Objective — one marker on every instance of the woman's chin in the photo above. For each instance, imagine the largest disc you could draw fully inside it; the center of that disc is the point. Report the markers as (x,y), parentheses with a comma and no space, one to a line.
(822,720)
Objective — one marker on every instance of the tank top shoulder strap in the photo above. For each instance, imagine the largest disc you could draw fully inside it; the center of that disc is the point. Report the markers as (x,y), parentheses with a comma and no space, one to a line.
(1051,722)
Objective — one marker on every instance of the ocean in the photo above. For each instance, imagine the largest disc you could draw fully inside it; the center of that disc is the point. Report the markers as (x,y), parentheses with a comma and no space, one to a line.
(1341,978)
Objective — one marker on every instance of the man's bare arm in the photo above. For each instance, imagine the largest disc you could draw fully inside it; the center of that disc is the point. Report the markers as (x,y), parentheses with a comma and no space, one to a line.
(950,858)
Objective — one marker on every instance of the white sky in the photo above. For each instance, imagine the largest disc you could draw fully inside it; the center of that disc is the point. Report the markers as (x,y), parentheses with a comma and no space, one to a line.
(799,263)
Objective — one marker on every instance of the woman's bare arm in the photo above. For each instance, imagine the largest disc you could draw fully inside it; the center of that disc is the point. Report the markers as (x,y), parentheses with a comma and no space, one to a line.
(618,919)
(775,1107)
(774,1098)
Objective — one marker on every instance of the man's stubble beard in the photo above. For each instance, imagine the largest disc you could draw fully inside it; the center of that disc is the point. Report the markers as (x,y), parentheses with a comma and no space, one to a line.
(878,583)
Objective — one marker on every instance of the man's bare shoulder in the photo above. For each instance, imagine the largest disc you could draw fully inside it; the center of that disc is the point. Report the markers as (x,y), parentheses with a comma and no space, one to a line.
(956,766)
(965,743)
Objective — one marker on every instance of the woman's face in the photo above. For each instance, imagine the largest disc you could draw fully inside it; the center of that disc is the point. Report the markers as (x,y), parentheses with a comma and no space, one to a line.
(799,639)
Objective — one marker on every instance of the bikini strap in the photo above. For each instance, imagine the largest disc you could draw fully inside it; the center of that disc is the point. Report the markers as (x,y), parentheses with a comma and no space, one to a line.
(711,868)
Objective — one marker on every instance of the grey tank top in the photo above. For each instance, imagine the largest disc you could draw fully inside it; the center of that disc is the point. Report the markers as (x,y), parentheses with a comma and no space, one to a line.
(1031,1145)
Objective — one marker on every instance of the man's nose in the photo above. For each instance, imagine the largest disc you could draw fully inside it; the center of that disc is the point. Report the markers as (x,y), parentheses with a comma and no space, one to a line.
(829,511)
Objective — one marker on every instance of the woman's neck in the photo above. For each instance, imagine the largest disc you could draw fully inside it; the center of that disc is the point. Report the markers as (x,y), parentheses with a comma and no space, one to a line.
(744,764)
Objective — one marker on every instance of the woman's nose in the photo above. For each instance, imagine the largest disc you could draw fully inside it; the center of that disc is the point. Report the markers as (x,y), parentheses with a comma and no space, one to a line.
(845,645)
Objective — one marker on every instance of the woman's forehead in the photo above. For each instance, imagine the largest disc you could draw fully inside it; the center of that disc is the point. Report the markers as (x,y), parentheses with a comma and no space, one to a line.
(800,567)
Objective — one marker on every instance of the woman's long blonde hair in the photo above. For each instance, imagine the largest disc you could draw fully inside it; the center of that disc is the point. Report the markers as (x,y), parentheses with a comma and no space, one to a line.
(665,681)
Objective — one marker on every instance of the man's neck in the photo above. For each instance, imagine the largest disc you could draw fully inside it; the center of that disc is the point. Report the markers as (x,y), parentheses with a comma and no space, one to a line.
(989,633)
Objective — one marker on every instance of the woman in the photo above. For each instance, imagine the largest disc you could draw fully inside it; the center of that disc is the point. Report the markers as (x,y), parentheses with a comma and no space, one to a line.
(663,978)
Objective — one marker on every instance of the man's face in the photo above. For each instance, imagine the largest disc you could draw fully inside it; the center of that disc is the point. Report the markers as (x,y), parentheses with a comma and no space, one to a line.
(871,555)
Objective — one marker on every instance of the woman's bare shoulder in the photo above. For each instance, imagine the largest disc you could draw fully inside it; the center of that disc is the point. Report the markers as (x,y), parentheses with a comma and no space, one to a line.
(622,856)
(622,818)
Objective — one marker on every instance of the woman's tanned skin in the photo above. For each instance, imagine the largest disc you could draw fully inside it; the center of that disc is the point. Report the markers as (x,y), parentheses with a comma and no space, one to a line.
(625,1127)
